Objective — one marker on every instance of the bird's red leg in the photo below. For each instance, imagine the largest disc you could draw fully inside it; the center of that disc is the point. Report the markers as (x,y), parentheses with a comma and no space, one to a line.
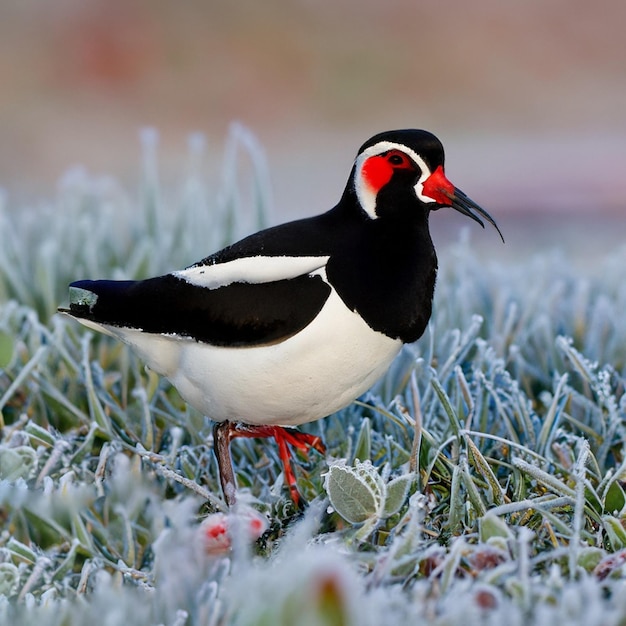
(224,432)
(299,440)
(290,477)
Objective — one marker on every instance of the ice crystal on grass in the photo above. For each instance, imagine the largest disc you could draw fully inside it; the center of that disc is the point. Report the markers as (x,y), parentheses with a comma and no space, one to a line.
(481,481)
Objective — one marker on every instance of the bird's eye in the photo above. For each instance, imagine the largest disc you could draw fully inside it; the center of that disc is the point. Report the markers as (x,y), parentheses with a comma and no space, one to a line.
(397,159)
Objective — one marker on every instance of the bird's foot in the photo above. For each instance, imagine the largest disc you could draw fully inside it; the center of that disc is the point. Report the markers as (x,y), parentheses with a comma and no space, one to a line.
(224,432)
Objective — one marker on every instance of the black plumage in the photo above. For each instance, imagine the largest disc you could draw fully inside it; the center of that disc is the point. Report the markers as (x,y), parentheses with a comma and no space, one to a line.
(237,315)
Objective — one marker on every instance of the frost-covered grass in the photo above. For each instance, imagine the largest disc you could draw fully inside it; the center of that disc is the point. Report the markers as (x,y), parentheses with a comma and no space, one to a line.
(495,489)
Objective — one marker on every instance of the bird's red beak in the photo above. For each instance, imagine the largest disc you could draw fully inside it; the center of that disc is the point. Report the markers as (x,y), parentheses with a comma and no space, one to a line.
(439,188)
(443,192)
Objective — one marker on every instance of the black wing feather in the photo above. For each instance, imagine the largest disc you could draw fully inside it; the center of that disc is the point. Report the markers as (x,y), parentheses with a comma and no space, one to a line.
(239,314)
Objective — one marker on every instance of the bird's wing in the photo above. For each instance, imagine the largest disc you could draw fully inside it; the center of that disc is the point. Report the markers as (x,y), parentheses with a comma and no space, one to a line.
(262,289)
(243,302)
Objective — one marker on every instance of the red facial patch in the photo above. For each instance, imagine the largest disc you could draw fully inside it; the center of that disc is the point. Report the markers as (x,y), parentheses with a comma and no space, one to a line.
(438,187)
(377,172)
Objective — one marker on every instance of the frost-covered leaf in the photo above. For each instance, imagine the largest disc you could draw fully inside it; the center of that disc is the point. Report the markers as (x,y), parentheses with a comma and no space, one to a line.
(18,462)
(492,526)
(397,492)
(589,557)
(9,578)
(457,501)
(481,465)
(355,493)
(359,493)
(615,531)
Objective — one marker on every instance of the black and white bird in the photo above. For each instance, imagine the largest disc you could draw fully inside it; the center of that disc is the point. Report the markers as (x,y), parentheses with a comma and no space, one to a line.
(296,321)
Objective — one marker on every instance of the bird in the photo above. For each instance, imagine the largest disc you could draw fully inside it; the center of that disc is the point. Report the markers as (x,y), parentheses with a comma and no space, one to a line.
(294,322)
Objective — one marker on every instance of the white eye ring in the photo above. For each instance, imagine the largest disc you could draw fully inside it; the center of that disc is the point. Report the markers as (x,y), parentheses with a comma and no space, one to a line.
(366,196)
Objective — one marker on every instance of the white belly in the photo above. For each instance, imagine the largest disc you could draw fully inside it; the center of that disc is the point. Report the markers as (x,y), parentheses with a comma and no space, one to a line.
(313,374)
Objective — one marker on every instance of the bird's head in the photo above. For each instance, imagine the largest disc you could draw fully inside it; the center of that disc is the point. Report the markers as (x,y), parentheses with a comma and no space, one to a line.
(401,171)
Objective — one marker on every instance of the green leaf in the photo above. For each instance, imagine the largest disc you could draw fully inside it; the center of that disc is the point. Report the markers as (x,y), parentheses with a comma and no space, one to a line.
(363,448)
(589,557)
(480,464)
(39,434)
(82,536)
(96,410)
(457,502)
(397,492)
(553,415)
(615,499)
(352,493)
(19,462)
(21,550)
(491,526)
(447,406)
(615,532)
(7,348)
(9,579)
(473,494)
(67,563)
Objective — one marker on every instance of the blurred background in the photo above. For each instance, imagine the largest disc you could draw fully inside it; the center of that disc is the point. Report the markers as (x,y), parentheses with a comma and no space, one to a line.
(528,98)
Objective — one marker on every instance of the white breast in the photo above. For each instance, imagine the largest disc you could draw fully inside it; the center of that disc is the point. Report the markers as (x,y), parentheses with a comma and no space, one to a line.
(312,374)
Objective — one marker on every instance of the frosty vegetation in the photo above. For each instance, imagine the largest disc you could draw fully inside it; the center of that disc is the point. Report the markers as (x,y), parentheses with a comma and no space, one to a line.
(482,481)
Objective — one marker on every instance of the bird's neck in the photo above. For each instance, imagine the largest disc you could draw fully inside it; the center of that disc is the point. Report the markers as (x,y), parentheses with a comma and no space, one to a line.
(385,268)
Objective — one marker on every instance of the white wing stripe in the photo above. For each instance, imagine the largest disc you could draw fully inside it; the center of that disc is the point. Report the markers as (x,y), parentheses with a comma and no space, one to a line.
(254,269)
